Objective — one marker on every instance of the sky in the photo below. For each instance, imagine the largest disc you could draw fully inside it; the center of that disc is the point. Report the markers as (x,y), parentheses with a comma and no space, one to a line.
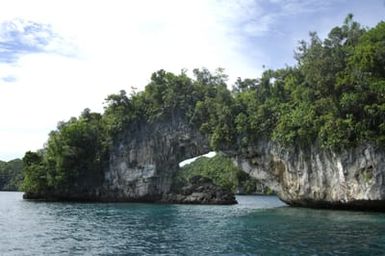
(59,57)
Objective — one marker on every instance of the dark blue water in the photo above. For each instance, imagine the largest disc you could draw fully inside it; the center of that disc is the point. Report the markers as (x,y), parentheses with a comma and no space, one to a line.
(256,226)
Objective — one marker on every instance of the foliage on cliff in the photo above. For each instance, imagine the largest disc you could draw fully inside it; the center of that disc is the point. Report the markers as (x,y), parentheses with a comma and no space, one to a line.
(11,175)
(333,96)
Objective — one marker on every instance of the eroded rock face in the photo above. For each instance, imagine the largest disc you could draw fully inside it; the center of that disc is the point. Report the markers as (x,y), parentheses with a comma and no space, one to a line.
(144,160)
(353,179)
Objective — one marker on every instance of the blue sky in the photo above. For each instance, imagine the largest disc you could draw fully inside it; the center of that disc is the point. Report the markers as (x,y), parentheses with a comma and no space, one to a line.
(59,57)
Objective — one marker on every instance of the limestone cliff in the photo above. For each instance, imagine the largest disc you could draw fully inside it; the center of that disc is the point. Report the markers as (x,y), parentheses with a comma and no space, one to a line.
(353,178)
(144,159)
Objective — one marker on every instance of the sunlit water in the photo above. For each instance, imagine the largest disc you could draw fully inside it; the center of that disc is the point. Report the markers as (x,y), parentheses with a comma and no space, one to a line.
(256,226)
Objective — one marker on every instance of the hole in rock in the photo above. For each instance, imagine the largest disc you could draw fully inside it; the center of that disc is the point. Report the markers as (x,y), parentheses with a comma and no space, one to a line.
(190,160)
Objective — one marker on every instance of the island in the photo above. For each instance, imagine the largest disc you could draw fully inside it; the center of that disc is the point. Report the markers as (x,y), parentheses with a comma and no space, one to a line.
(313,132)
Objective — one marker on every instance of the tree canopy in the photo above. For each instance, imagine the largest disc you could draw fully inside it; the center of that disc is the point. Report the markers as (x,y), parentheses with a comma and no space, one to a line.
(11,175)
(334,96)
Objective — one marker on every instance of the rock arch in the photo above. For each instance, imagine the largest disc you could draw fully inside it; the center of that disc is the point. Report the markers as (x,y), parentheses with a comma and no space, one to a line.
(143,160)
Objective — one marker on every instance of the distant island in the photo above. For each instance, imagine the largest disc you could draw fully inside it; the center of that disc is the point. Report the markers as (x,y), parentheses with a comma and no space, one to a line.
(313,132)
(11,175)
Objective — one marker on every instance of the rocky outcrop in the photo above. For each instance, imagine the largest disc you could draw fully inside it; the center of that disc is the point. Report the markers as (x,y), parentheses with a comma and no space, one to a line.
(351,179)
(199,190)
(144,159)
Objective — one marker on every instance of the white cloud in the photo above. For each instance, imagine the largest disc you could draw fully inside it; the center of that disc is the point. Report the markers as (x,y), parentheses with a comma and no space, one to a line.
(104,46)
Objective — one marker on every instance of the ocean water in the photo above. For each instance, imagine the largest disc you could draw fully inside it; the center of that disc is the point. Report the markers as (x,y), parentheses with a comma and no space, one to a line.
(258,225)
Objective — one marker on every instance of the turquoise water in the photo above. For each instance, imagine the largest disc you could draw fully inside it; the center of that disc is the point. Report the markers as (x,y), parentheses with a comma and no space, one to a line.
(256,226)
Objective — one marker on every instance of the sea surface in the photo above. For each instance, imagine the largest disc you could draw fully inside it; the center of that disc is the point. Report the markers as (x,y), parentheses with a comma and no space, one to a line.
(258,225)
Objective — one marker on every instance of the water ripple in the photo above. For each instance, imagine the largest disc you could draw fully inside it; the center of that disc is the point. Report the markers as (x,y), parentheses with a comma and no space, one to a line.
(256,226)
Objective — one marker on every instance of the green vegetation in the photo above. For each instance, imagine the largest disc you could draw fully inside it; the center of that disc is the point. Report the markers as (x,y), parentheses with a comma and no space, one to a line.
(221,171)
(11,175)
(72,159)
(333,97)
